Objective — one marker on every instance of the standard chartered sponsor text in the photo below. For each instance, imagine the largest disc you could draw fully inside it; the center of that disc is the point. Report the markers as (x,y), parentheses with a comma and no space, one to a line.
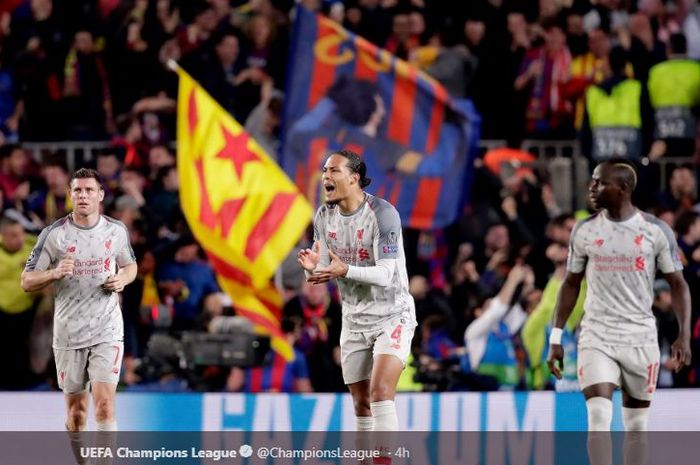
(314,453)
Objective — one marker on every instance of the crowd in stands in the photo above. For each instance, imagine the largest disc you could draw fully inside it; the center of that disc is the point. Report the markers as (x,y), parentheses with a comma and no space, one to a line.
(485,287)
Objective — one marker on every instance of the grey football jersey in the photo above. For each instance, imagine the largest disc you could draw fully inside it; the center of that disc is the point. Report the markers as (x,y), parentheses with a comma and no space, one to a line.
(371,233)
(84,313)
(620,259)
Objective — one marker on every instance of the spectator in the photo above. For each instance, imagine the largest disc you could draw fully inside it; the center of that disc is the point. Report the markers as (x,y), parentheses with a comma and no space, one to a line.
(535,332)
(402,41)
(159,157)
(17,308)
(53,201)
(263,124)
(453,65)
(185,281)
(543,73)
(9,109)
(667,328)
(13,170)
(587,69)
(109,167)
(687,227)
(220,75)
(129,140)
(87,102)
(262,67)
(489,339)
(142,297)
(674,91)
(429,300)
(645,50)
(576,38)
(681,192)
(319,335)
(130,44)
(375,21)
(192,37)
(133,187)
(164,200)
(691,29)
(38,42)
(157,117)
(617,114)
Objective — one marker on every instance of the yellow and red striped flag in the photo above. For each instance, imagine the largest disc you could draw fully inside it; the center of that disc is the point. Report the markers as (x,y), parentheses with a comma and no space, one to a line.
(239,204)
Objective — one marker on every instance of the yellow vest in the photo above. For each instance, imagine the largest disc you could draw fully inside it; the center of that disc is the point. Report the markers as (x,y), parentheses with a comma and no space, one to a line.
(406,380)
(675,83)
(621,108)
(13,299)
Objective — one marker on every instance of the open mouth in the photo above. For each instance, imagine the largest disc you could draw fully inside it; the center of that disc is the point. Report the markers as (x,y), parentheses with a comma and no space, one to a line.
(329,188)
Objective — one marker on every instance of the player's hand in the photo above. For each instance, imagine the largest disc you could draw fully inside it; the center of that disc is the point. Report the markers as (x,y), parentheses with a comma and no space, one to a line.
(308,258)
(680,352)
(336,269)
(64,268)
(555,360)
(114,283)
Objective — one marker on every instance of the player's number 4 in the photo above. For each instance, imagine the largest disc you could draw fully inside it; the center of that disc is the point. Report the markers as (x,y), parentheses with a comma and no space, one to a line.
(396,334)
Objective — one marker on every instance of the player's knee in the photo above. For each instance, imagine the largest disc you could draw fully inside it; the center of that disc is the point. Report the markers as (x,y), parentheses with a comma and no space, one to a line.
(599,413)
(362,408)
(635,419)
(381,391)
(104,410)
(77,419)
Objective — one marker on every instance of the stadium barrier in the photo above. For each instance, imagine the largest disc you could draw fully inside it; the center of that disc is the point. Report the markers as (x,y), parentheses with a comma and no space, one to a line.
(560,159)
(672,410)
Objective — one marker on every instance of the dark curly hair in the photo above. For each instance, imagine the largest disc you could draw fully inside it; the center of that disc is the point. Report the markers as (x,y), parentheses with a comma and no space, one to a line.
(356,165)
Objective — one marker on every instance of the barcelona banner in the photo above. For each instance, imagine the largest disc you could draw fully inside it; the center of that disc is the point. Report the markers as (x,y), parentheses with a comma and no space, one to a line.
(344,92)
(239,204)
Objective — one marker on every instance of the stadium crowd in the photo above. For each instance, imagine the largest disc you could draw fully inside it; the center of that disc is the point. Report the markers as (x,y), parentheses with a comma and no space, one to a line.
(485,287)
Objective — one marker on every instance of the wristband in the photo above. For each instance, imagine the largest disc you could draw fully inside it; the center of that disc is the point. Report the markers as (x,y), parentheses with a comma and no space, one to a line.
(555,336)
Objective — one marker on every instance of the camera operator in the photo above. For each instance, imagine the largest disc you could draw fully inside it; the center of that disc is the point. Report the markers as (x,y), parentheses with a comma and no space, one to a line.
(276,374)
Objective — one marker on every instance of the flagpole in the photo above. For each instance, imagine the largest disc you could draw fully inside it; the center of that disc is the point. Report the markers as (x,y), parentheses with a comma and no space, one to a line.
(173,65)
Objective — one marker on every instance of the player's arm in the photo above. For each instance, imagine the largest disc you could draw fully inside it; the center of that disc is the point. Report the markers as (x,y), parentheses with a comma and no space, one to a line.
(317,256)
(566,301)
(33,281)
(36,274)
(378,275)
(123,278)
(126,261)
(680,300)
(386,246)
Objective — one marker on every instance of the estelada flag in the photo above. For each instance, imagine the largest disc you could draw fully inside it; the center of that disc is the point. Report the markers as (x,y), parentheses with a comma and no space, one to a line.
(239,204)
